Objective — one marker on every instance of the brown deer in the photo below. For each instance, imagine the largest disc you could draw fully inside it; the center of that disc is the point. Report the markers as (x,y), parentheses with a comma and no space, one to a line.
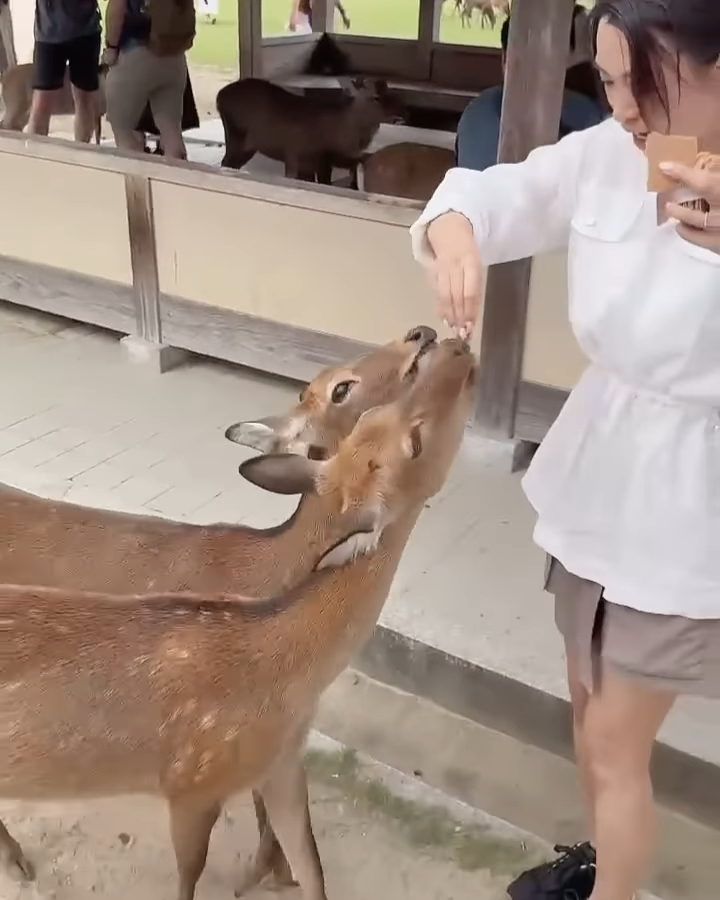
(487,9)
(306,133)
(17,91)
(197,696)
(405,170)
(59,544)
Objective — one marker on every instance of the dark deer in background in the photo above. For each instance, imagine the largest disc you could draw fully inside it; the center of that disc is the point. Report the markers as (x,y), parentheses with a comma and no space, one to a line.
(309,134)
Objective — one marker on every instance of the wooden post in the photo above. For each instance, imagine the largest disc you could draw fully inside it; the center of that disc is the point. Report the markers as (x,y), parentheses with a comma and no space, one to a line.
(532,104)
(250,38)
(428,30)
(141,225)
(323,16)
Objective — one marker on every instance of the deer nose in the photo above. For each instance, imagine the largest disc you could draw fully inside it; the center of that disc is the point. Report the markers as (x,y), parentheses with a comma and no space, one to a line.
(422,334)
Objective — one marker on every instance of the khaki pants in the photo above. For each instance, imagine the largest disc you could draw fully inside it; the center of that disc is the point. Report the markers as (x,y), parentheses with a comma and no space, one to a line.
(139,77)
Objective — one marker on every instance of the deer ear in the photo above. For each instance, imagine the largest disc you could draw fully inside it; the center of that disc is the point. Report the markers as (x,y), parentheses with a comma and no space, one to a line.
(282,473)
(261,434)
(360,543)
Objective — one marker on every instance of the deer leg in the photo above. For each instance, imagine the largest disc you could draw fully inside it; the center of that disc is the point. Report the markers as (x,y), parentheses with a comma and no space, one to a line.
(324,171)
(13,858)
(269,857)
(191,823)
(286,799)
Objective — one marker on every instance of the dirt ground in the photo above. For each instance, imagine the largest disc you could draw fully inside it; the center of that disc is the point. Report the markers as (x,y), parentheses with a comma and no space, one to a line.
(206,83)
(373,844)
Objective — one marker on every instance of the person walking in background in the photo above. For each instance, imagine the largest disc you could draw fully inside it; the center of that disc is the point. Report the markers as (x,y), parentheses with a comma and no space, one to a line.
(145,56)
(301,16)
(626,484)
(68,35)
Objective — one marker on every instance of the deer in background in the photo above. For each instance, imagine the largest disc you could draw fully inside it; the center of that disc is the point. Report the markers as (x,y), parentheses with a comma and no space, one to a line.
(198,696)
(488,11)
(61,545)
(408,170)
(307,133)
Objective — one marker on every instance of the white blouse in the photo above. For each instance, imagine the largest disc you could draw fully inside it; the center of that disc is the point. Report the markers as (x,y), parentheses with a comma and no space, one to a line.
(626,484)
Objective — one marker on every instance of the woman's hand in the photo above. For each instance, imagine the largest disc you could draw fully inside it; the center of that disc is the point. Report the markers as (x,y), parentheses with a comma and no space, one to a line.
(457,271)
(696,226)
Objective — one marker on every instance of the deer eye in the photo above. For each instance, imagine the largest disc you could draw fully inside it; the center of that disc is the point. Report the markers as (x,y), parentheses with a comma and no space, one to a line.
(341,390)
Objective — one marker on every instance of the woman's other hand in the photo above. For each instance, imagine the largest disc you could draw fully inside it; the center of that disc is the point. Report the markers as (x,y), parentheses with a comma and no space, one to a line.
(457,271)
(695,225)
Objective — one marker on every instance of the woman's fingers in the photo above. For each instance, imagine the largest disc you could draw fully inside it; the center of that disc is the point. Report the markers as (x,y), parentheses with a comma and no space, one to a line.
(704,182)
(471,297)
(457,287)
(695,218)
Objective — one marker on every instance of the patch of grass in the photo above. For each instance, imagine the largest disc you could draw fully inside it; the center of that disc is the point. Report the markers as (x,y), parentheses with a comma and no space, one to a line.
(471,847)
(217,45)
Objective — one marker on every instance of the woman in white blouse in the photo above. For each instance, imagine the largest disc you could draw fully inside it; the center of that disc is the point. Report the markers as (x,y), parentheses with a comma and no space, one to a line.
(626,484)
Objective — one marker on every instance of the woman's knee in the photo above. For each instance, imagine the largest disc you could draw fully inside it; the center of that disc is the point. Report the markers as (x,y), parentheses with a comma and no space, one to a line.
(619,728)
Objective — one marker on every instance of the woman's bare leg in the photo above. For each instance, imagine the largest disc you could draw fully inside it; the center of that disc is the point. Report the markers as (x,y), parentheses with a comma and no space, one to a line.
(579,697)
(620,724)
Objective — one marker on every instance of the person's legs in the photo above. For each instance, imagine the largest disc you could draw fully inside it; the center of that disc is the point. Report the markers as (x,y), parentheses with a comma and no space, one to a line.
(621,722)
(49,62)
(84,62)
(166,103)
(579,699)
(126,94)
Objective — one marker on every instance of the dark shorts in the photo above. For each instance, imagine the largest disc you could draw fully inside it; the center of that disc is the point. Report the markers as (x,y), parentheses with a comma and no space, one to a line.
(81,55)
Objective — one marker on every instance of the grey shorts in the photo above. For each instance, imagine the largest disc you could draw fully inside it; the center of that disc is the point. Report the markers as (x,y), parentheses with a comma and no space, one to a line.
(668,653)
(139,77)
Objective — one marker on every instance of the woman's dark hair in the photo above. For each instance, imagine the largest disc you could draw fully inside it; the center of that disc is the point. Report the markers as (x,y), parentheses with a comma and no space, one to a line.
(652,28)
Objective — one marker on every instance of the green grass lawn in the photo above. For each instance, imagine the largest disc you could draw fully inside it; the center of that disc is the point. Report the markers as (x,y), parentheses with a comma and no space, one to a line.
(216,45)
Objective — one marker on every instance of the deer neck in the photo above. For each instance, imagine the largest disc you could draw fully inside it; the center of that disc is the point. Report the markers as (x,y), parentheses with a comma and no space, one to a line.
(292,550)
(336,610)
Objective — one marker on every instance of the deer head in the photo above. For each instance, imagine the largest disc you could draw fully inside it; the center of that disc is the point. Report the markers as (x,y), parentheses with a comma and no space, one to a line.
(331,404)
(396,457)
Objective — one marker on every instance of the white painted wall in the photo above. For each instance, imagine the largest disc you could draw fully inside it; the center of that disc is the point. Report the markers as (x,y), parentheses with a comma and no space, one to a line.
(23,20)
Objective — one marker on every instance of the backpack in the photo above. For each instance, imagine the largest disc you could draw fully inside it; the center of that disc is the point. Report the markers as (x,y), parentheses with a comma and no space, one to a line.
(172,26)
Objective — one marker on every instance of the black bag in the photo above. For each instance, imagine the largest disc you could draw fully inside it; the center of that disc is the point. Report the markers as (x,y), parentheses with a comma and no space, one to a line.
(190,118)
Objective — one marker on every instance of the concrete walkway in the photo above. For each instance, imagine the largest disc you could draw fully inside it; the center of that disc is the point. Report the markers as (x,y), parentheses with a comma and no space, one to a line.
(78,421)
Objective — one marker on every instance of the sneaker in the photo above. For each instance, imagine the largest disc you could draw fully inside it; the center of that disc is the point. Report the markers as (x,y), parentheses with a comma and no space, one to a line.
(570,877)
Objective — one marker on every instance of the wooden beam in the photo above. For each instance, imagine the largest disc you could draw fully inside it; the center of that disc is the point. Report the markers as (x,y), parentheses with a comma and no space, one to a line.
(532,103)
(428,28)
(323,16)
(143,257)
(250,38)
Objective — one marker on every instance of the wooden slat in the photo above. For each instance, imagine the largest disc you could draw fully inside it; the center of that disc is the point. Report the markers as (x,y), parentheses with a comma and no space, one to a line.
(384,57)
(83,298)
(323,16)
(285,350)
(467,68)
(141,225)
(271,190)
(287,55)
(428,26)
(532,103)
(250,38)
(538,407)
